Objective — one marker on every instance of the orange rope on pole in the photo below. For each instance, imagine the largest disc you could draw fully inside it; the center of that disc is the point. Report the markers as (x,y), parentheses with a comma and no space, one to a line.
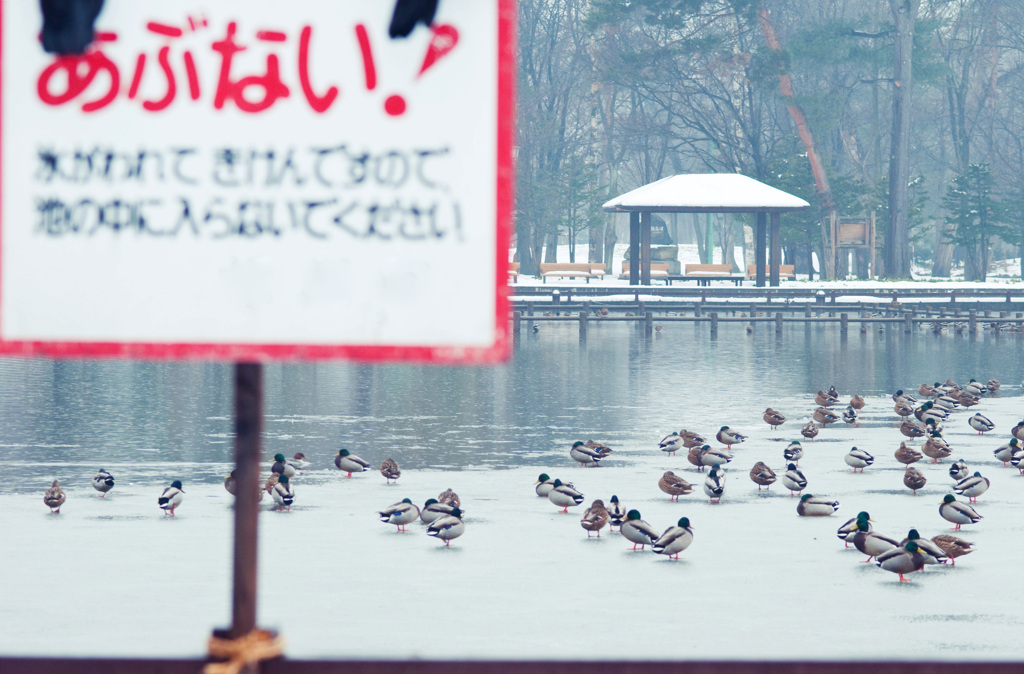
(255,646)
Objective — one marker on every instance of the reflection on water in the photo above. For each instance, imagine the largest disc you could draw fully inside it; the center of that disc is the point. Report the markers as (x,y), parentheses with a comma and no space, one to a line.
(154,420)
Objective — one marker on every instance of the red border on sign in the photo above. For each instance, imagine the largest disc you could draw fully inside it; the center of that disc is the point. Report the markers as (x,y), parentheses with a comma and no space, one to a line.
(496,352)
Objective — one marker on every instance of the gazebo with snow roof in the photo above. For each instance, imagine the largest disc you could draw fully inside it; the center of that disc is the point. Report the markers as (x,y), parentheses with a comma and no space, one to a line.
(705,193)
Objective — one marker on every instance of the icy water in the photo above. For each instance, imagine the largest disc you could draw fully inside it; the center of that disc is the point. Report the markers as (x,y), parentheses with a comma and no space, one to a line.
(114,576)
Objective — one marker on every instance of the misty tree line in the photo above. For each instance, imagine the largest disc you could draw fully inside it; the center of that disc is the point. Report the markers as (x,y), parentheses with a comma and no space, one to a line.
(909,109)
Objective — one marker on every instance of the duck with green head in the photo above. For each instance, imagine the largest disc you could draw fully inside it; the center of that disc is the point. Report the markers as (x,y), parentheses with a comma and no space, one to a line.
(350,463)
(957,512)
(448,527)
(638,531)
(902,560)
(401,513)
(675,539)
(171,497)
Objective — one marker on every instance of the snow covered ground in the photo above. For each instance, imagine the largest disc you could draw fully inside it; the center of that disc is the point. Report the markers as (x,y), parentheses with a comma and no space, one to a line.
(115,576)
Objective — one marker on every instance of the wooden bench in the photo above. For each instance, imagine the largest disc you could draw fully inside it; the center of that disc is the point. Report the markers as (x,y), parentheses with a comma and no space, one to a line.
(659,270)
(513,271)
(787,271)
(586,270)
(706,273)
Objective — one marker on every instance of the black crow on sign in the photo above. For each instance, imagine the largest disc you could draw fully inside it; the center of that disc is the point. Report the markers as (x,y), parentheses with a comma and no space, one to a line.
(68,25)
(410,12)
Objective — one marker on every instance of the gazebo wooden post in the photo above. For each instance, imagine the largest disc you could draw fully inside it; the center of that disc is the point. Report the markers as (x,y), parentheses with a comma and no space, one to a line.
(634,248)
(645,248)
(248,443)
(759,247)
(775,246)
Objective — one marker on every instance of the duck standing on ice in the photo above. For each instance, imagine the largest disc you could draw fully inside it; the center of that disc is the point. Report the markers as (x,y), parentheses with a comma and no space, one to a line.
(103,482)
(171,497)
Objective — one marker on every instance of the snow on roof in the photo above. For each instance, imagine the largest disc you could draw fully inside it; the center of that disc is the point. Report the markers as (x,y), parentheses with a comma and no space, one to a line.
(706,192)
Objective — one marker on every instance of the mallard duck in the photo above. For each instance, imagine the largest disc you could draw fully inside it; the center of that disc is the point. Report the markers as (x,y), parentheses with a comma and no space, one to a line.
(638,531)
(595,518)
(283,493)
(907,455)
(832,392)
(451,498)
(773,419)
(171,497)
(793,452)
(675,539)
(584,455)
(849,527)
(564,496)
(870,542)
(903,408)
(671,443)
(729,437)
(691,439)
(809,431)
(959,470)
(299,461)
(231,486)
(910,429)
(966,400)
(616,513)
(825,416)
(1017,460)
(103,482)
(603,449)
(693,456)
(933,554)
(857,402)
(813,506)
(992,385)
(975,388)
(709,456)
(390,470)
(54,497)
(674,486)
(793,479)
(953,546)
(350,463)
(544,485)
(282,467)
(932,427)
(920,410)
(905,397)
(432,509)
(823,399)
(936,448)
(947,403)
(850,416)
(1018,431)
(714,484)
(762,475)
(914,479)
(858,458)
(448,527)
(902,560)
(1006,452)
(957,512)
(402,513)
(981,423)
(926,391)
(972,487)
(271,482)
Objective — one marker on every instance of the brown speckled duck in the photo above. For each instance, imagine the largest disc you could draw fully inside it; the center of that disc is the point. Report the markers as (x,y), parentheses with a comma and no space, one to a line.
(674,486)
(773,418)
(54,497)
(389,469)
(907,454)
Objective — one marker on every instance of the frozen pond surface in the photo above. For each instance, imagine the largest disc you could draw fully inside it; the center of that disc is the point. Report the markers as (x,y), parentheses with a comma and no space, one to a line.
(115,577)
